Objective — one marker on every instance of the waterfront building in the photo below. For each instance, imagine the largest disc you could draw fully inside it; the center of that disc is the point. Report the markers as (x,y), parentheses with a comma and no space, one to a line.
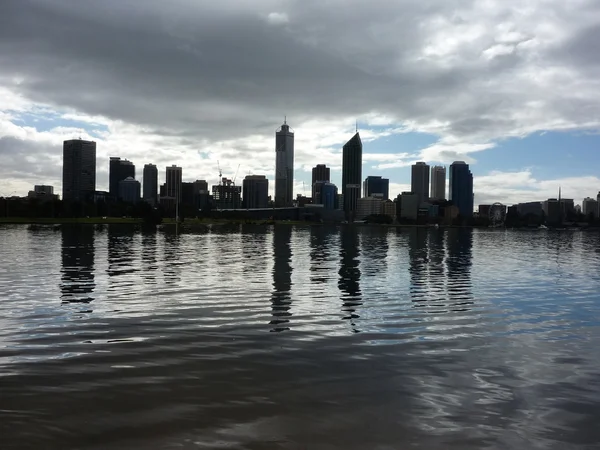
(419,182)
(284,166)
(79,170)
(376,185)
(409,205)
(438,183)
(319,173)
(530,208)
(129,190)
(367,206)
(150,179)
(173,182)
(461,188)
(589,206)
(351,174)
(227,195)
(255,192)
(118,170)
(388,208)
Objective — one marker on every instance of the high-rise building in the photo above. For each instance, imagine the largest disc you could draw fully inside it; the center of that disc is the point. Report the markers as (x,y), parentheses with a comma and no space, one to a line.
(409,205)
(319,173)
(284,166)
(129,190)
(589,206)
(150,179)
(376,185)
(368,206)
(461,188)
(351,174)
(438,183)
(79,170)
(255,192)
(187,193)
(173,182)
(419,181)
(118,170)
(326,194)
(227,195)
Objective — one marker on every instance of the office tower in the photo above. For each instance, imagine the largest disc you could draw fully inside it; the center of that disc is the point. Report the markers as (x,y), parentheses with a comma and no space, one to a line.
(419,182)
(438,183)
(319,173)
(408,203)
(79,170)
(150,179)
(326,194)
(118,170)
(129,190)
(377,185)
(284,166)
(461,188)
(351,173)
(187,193)
(255,192)
(173,182)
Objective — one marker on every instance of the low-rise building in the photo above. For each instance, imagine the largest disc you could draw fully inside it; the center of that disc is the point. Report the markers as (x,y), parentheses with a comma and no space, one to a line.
(368,206)
(130,190)
(589,206)
(409,205)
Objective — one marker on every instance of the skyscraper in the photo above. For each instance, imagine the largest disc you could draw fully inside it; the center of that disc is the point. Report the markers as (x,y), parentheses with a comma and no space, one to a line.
(284,166)
(118,170)
(255,191)
(173,182)
(351,173)
(377,185)
(320,173)
(150,179)
(461,188)
(419,183)
(438,183)
(79,170)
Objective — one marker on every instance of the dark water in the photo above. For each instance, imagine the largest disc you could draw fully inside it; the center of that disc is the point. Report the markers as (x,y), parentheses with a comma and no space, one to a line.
(299,338)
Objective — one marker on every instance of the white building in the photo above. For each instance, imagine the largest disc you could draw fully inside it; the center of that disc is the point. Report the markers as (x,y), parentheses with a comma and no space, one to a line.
(367,206)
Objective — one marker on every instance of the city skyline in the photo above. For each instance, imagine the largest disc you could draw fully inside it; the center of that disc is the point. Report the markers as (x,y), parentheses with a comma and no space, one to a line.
(466,91)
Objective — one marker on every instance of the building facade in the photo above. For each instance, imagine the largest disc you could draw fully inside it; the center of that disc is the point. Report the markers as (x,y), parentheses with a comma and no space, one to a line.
(589,206)
(173,182)
(438,183)
(284,166)
(409,205)
(129,190)
(419,181)
(376,185)
(388,208)
(319,173)
(255,193)
(530,208)
(118,170)
(326,194)
(461,188)
(79,170)
(351,174)
(368,206)
(227,195)
(150,179)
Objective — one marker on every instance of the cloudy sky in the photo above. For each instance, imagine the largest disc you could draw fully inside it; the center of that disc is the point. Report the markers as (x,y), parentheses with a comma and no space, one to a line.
(510,86)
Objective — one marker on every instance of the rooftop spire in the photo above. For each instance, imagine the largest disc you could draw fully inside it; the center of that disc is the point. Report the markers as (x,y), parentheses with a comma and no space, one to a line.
(285,120)
(357,125)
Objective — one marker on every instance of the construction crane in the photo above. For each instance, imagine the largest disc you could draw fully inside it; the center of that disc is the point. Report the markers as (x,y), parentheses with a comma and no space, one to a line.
(220,173)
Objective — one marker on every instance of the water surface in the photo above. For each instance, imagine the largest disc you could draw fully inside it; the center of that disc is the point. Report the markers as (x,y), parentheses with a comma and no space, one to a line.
(281,337)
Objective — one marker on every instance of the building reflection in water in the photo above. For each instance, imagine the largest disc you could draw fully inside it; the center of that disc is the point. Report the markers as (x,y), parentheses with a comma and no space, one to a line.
(254,256)
(120,257)
(418,256)
(282,278)
(77,261)
(349,281)
(172,256)
(320,242)
(149,261)
(459,242)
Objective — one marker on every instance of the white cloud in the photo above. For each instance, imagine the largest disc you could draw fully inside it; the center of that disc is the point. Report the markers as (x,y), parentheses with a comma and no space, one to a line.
(276,18)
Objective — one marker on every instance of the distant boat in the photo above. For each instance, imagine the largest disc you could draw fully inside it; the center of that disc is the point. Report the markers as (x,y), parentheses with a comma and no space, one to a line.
(542,227)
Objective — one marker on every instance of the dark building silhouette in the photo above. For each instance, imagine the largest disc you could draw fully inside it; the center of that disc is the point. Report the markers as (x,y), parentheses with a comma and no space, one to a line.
(282,278)
(173,182)
(150,179)
(284,166)
(459,243)
(377,185)
(129,190)
(77,264)
(79,170)
(187,193)
(319,173)
(326,194)
(351,174)
(118,170)
(461,188)
(419,181)
(227,195)
(255,192)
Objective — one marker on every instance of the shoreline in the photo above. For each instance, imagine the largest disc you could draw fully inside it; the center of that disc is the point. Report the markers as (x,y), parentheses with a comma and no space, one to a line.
(191,223)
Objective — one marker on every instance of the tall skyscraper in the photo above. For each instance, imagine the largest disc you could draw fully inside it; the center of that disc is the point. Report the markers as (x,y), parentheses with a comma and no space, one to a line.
(419,183)
(255,192)
(173,182)
(351,173)
(118,170)
(376,185)
(79,170)
(284,166)
(438,183)
(150,179)
(461,188)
